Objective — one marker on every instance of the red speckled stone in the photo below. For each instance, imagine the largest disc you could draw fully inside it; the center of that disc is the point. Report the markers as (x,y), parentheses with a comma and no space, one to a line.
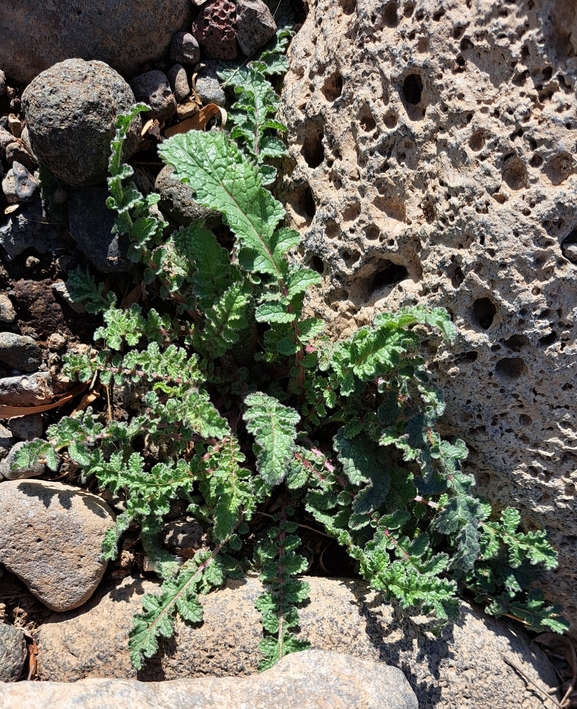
(215,29)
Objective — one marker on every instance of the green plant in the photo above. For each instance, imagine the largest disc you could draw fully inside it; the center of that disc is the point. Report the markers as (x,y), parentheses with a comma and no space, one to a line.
(245,406)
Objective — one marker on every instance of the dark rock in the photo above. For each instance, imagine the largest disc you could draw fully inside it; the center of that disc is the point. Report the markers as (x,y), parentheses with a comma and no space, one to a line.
(17,151)
(5,139)
(26,428)
(215,29)
(153,88)
(307,680)
(19,185)
(123,34)
(91,225)
(184,48)
(10,471)
(19,352)
(177,199)
(26,389)
(70,112)
(208,86)
(59,556)
(178,82)
(12,653)
(255,25)
(27,229)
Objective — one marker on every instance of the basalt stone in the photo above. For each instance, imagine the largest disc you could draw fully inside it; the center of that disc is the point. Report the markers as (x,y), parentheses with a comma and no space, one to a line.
(255,25)
(154,89)
(12,652)
(184,48)
(70,111)
(20,352)
(177,199)
(215,29)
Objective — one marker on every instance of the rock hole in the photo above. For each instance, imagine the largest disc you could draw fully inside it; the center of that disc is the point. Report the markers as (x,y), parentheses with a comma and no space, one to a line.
(559,168)
(393,207)
(466,44)
(525,420)
(348,6)
(391,119)
(549,339)
(350,257)
(438,15)
(484,311)
(331,229)
(457,277)
(351,212)
(317,264)
(569,247)
(514,173)
(510,368)
(413,89)
(536,161)
(390,17)
(303,203)
(372,232)
(409,9)
(388,274)
(367,120)
(333,86)
(516,342)
(312,149)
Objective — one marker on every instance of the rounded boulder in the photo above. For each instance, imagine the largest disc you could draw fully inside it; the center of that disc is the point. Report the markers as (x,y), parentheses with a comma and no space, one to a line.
(70,111)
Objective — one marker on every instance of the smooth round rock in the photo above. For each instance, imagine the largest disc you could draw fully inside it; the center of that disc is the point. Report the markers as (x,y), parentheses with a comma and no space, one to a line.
(12,652)
(178,80)
(123,33)
(51,538)
(20,352)
(70,111)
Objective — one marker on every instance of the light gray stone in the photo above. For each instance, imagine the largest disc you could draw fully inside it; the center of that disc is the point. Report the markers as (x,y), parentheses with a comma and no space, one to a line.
(2,83)
(51,538)
(463,667)
(12,653)
(19,185)
(26,389)
(7,311)
(123,33)
(308,680)
(10,471)
(70,113)
(153,89)
(435,165)
(255,25)
(20,352)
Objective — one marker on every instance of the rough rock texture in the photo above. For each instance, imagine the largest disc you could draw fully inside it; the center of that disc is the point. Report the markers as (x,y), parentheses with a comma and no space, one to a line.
(435,147)
(462,668)
(255,25)
(18,473)
(28,228)
(51,538)
(154,89)
(184,48)
(177,199)
(307,680)
(207,84)
(215,29)
(122,33)
(19,351)
(26,389)
(12,652)
(70,112)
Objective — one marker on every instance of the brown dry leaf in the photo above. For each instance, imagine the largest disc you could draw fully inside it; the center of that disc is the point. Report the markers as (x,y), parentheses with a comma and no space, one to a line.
(146,127)
(88,398)
(7,412)
(198,121)
(11,208)
(32,648)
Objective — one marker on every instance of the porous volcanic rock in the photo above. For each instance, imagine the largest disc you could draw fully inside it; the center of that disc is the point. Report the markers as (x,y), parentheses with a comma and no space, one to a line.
(434,145)
(215,29)
(70,113)
(465,666)
(123,33)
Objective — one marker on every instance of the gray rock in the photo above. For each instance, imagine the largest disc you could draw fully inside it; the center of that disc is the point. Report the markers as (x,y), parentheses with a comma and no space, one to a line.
(343,615)
(184,48)
(305,680)
(6,440)
(12,653)
(26,389)
(17,151)
(61,289)
(58,556)
(208,86)
(25,428)
(70,112)
(91,225)
(177,199)
(28,229)
(153,88)
(124,34)
(10,471)
(7,311)
(5,139)
(179,82)
(19,185)
(255,25)
(19,352)
(2,82)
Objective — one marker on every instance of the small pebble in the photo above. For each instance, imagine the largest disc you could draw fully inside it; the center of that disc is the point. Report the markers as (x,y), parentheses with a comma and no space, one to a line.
(7,311)
(32,262)
(19,185)
(20,352)
(186,110)
(27,428)
(17,151)
(28,471)
(179,82)
(153,88)
(184,48)
(15,125)
(5,139)
(208,86)
(56,342)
